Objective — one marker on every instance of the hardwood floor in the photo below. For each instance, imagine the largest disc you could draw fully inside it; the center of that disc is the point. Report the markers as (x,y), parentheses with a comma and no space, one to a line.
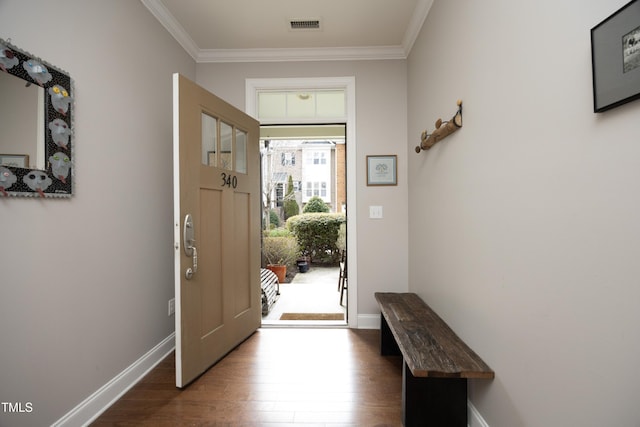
(277,378)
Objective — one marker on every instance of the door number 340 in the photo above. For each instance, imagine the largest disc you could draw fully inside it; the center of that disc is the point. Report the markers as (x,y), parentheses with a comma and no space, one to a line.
(230,181)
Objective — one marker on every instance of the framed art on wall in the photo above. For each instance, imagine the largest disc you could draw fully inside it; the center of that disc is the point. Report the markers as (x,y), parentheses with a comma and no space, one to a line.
(615,58)
(15,160)
(382,170)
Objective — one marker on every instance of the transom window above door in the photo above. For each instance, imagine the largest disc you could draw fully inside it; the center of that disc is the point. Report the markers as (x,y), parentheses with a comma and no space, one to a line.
(292,104)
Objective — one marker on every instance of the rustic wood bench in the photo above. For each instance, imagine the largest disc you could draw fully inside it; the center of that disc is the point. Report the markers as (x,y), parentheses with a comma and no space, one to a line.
(270,289)
(436,364)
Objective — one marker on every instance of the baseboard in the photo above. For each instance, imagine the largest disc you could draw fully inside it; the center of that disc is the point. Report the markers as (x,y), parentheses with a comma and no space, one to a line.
(475,419)
(369,321)
(94,405)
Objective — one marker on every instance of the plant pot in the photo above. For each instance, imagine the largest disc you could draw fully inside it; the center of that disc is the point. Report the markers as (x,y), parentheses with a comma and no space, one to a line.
(303,266)
(279,270)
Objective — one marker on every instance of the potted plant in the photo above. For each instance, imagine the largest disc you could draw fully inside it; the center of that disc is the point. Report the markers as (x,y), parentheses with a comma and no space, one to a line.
(280,252)
(303,264)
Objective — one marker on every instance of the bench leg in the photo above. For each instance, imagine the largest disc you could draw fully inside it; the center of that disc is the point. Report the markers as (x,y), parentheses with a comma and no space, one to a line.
(433,401)
(388,345)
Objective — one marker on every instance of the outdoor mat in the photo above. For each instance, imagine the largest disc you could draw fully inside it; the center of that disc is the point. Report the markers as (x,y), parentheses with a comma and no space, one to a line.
(312,316)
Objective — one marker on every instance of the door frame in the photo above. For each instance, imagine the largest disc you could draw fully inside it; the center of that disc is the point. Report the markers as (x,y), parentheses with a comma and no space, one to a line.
(348,84)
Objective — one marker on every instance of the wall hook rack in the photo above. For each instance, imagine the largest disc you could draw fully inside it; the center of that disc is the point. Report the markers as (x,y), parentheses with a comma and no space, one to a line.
(442,130)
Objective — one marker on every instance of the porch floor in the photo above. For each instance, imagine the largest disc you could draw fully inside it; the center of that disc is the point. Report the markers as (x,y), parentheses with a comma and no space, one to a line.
(315,291)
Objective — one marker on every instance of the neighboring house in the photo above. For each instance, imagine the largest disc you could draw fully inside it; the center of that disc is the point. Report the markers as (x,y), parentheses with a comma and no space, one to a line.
(317,179)
(280,159)
(313,166)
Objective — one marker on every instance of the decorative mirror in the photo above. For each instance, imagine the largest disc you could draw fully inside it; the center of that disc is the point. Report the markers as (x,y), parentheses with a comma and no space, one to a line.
(36,126)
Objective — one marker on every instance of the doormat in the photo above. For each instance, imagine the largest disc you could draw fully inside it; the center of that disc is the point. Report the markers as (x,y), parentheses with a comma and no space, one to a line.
(312,316)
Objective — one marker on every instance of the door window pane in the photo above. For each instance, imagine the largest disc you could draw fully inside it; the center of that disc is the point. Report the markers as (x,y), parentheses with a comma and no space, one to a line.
(226,146)
(209,137)
(241,151)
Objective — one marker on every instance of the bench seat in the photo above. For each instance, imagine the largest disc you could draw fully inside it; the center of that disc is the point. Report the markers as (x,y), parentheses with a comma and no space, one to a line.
(437,363)
(270,287)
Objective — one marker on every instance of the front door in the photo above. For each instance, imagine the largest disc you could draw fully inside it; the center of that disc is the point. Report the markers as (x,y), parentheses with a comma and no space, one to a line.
(217,228)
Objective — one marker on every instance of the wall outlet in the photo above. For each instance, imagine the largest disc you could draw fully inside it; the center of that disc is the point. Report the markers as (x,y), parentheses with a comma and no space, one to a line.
(172,306)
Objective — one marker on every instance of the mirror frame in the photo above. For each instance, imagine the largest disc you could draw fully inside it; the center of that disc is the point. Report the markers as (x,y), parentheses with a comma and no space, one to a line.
(57,179)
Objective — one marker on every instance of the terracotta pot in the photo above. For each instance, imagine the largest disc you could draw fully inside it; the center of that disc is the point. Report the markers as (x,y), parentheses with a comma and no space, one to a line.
(279,270)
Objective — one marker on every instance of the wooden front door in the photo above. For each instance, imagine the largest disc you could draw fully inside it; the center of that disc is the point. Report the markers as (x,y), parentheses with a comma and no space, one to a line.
(217,228)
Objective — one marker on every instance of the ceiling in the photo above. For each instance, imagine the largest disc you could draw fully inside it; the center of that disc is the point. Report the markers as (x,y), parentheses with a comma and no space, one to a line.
(260,30)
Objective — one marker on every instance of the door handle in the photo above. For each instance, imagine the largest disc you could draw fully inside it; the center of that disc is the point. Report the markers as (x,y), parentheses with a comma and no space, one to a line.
(188,235)
(192,270)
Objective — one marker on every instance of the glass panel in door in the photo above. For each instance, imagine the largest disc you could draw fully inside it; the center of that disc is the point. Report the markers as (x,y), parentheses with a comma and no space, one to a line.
(241,151)
(209,140)
(226,146)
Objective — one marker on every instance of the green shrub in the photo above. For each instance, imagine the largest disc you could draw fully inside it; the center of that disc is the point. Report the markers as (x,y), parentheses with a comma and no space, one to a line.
(290,206)
(315,204)
(278,232)
(317,234)
(274,219)
(341,241)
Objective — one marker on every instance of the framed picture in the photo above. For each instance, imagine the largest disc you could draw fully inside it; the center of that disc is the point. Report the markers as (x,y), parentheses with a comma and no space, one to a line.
(615,58)
(382,170)
(15,160)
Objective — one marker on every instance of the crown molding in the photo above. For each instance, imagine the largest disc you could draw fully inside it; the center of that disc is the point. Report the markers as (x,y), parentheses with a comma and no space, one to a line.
(415,25)
(301,54)
(174,28)
(178,32)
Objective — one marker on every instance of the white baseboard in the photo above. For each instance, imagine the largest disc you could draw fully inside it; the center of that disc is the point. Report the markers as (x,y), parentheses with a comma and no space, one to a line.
(369,321)
(474,417)
(94,405)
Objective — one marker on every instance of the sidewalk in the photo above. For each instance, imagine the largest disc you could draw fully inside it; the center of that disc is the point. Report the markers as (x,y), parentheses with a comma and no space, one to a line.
(315,291)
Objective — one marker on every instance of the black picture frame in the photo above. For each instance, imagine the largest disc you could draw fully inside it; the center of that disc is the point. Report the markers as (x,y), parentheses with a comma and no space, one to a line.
(615,58)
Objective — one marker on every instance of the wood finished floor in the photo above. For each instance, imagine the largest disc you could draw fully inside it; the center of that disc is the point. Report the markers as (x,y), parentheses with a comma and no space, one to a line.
(277,378)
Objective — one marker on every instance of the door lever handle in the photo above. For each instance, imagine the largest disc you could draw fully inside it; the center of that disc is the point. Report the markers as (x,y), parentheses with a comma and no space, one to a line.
(192,270)
(189,245)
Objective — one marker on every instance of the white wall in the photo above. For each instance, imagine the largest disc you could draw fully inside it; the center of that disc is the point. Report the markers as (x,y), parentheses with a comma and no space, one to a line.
(525,231)
(85,282)
(381,128)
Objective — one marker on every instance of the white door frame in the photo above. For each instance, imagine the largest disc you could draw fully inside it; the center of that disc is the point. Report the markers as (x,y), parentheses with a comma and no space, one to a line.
(348,84)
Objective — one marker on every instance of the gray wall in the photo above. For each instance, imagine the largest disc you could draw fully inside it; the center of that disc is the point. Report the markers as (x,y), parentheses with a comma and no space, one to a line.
(524,224)
(85,282)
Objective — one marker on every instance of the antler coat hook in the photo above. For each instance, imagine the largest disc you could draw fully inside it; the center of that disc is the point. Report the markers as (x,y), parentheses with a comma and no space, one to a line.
(428,140)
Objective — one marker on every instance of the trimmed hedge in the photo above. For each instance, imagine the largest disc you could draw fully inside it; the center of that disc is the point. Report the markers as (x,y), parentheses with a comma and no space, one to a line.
(278,232)
(315,204)
(317,234)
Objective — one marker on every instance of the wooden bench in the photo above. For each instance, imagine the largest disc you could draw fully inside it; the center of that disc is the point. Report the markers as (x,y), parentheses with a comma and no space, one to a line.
(270,289)
(436,364)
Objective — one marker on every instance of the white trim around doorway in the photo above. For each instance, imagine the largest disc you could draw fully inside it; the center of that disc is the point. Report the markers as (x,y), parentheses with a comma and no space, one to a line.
(348,84)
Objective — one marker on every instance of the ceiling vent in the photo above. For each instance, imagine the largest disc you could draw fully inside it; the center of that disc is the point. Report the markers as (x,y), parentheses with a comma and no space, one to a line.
(304,24)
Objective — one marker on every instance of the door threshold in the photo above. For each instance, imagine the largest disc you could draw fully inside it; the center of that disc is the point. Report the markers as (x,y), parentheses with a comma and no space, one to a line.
(304,324)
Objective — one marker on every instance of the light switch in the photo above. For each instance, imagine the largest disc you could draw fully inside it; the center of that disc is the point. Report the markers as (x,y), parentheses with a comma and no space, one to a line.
(375,212)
